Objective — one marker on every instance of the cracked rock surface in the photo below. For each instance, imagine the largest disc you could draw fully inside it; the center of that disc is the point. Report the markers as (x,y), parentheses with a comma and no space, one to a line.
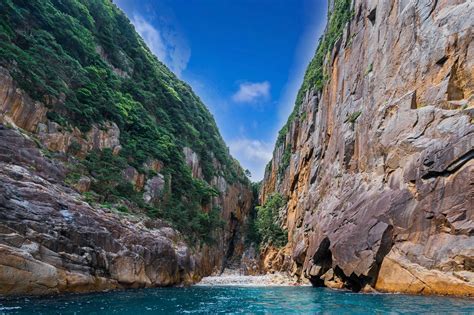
(52,241)
(385,200)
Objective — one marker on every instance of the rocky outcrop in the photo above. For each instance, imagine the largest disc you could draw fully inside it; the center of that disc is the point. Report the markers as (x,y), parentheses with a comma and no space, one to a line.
(380,180)
(16,107)
(154,188)
(58,139)
(192,160)
(19,110)
(52,241)
(137,179)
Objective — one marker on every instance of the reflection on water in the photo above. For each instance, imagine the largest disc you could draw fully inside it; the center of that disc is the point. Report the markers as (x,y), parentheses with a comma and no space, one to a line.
(253,300)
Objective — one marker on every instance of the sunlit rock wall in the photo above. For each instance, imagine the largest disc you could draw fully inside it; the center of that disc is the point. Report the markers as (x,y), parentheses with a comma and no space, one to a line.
(380,183)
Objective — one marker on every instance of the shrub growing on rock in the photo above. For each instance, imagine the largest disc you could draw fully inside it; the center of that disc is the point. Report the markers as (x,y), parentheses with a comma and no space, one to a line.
(267,221)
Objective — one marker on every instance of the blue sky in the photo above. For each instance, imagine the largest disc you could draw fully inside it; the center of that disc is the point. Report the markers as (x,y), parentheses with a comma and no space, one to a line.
(244,58)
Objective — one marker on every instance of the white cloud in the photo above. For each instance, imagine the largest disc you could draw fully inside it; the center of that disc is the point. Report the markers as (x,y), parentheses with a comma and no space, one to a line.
(249,92)
(150,35)
(252,149)
(252,154)
(165,43)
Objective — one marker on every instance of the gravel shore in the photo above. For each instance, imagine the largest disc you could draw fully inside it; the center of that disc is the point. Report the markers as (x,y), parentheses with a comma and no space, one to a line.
(233,278)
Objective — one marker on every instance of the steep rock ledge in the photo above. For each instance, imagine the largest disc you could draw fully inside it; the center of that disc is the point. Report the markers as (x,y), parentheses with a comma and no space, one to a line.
(380,179)
(52,241)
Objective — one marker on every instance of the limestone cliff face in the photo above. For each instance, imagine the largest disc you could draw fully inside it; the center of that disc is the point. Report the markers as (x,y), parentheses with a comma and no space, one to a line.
(52,240)
(380,180)
(235,200)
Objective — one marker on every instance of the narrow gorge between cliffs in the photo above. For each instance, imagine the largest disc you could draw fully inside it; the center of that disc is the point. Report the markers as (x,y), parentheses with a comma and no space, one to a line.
(118,193)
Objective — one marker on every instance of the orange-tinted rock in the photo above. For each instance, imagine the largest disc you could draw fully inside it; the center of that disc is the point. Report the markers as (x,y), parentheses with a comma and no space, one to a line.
(83,184)
(390,189)
(16,107)
(398,274)
(59,139)
(131,175)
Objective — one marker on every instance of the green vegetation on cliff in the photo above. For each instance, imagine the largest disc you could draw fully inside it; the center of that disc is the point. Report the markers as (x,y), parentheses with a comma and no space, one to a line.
(252,235)
(315,76)
(84,60)
(266,229)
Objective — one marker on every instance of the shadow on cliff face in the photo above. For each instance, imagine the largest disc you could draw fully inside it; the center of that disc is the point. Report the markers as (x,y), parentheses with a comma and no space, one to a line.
(322,263)
(325,272)
(231,241)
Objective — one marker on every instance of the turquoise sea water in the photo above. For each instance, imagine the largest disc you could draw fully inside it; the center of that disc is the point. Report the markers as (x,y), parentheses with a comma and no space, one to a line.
(230,300)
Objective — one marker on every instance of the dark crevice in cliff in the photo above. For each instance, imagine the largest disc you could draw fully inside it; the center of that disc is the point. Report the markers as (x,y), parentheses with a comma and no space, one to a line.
(353,282)
(442,60)
(452,168)
(359,13)
(435,4)
(386,243)
(326,269)
(323,260)
(372,15)
(234,224)
(229,259)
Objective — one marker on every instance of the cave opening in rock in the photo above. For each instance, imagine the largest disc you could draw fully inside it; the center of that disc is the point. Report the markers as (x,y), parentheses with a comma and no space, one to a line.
(232,240)
(322,262)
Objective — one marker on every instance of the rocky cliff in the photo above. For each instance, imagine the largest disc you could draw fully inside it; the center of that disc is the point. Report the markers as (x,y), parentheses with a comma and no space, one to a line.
(378,159)
(112,172)
(53,239)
